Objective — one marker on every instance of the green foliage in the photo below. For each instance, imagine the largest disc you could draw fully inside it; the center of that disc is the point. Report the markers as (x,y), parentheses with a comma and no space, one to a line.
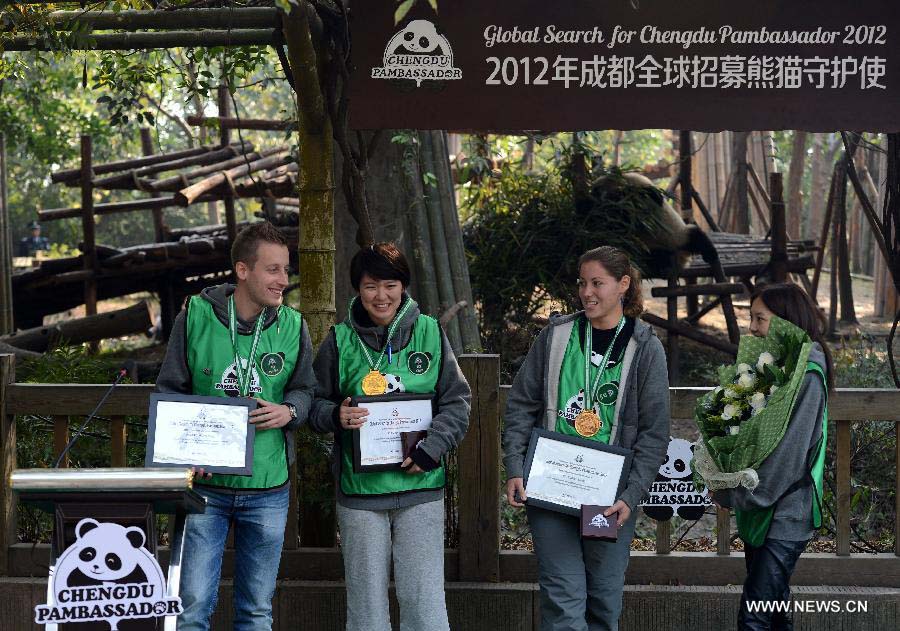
(860,362)
(403,7)
(530,226)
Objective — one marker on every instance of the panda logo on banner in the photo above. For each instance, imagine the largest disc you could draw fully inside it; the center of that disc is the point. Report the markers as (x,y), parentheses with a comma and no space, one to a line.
(674,492)
(418,53)
(107,575)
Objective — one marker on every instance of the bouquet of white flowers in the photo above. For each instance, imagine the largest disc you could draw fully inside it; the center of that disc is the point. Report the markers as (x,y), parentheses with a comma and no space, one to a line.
(744,418)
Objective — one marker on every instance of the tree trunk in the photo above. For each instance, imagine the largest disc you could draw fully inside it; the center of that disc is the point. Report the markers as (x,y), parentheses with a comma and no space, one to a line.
(841,256)
(740,198)
(127,321)
(459,268)
(818,174)
(441,256)
(6,252)
(315,252)
(795,178)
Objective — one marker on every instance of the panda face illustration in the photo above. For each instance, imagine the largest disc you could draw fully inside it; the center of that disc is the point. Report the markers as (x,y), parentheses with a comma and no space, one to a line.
(394,384)
(595,358)
(576,403)
(229,380)
(678,464)
(419,37)
(103,555)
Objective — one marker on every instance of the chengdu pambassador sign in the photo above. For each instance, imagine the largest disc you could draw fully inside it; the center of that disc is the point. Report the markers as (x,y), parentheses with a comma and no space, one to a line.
(581,64)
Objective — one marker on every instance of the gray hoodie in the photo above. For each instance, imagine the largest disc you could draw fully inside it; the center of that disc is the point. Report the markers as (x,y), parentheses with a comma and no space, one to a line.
(789,463)
(642,409)
(175,376)
(448,427)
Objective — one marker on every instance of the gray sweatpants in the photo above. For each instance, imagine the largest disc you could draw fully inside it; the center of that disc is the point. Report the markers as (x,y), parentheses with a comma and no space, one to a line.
(415,535)
(581,580)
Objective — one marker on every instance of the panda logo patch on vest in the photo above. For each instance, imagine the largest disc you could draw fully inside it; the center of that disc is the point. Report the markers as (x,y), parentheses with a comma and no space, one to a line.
(272,364)
(394,383)
(575,406)
(418,363)
(229,383)
(608,393)
(418,53)
(110,575)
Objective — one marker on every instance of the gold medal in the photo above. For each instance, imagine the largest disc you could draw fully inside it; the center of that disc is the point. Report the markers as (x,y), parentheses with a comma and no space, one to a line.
(374,383)
(587,423)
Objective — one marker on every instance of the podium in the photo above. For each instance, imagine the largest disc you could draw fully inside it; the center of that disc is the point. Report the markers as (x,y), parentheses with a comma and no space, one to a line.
(99,560)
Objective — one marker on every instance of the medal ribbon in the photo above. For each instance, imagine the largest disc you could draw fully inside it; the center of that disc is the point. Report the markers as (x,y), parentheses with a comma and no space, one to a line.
(374,365)
(590,392)
(243,376)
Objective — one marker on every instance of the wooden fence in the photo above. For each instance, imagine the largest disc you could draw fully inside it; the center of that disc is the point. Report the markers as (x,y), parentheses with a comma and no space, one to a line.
(478,556)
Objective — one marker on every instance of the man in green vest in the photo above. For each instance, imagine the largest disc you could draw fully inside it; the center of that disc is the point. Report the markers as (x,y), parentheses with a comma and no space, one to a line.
(239,341)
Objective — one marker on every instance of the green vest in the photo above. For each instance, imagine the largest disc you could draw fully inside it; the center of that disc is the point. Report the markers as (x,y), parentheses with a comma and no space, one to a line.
(570,400)
(413,369)
(753,525)
(210,359)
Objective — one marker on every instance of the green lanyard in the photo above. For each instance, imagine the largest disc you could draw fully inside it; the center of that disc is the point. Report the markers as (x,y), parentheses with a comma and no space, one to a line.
(243,376)
(591,392)
(374,365)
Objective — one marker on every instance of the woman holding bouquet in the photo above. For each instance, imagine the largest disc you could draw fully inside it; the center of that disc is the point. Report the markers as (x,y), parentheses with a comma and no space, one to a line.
(778,517)
(599,374)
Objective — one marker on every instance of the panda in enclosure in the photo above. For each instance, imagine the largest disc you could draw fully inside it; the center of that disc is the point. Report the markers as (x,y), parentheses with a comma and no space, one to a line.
(668,242)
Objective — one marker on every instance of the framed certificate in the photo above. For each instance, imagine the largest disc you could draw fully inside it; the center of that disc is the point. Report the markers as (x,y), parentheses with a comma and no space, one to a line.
(214,433)
(564,472)
(377,445)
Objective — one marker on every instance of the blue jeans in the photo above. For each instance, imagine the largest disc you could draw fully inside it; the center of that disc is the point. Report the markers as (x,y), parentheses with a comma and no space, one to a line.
(259,519)
(769,569)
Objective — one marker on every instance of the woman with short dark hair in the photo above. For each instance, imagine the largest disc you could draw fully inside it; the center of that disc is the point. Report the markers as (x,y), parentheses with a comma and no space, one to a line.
(386,345)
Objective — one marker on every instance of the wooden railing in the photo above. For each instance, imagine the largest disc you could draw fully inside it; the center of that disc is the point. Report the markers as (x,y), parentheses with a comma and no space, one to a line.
(478,556)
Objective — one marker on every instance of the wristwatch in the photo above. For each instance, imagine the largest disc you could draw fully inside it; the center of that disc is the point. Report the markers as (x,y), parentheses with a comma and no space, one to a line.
(292,409)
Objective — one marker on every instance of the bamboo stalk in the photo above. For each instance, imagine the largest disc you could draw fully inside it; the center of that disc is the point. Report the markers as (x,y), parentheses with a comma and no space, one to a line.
(420,239)
(154,40)
(133,319)
(129,180)
(111,208)
(158,223)
(316,244)
(227,122)
(281,185)
(223,98)
(72,175)
(459,270)
(6,251)
(175,182)
(441,257)
(189,195)
(87,226)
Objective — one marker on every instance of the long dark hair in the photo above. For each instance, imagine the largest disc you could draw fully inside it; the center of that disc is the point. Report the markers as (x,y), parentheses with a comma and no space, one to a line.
(789,302)
(617,263)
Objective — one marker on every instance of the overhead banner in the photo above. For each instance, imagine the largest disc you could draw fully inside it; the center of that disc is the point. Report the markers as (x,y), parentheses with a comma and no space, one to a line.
(702,65)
